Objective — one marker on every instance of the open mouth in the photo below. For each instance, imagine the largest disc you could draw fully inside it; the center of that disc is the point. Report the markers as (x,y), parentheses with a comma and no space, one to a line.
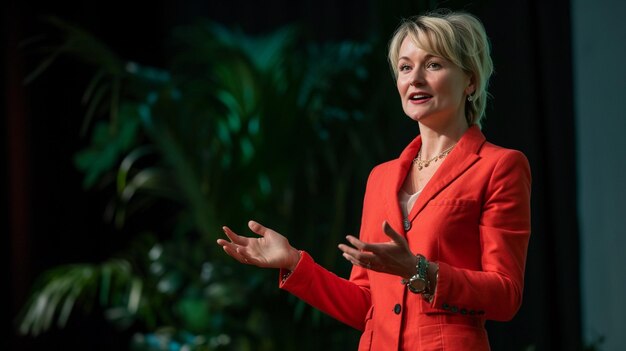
(419,96)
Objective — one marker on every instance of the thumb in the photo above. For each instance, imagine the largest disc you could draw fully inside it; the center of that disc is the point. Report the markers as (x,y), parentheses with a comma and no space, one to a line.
(393,235)
(258,228)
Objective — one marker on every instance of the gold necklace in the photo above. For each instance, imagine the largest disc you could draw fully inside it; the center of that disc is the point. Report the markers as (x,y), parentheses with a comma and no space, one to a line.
(424,163)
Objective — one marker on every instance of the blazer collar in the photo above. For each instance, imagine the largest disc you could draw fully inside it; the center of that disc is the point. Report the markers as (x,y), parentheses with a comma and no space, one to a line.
(464,154)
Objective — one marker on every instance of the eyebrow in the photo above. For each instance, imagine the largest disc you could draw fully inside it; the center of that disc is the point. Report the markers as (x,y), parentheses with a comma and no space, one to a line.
(428,56)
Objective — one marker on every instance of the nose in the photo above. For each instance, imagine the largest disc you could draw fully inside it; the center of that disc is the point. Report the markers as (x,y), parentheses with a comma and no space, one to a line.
(417,78)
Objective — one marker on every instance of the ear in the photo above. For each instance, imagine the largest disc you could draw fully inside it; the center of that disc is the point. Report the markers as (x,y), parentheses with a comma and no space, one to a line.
(471,84)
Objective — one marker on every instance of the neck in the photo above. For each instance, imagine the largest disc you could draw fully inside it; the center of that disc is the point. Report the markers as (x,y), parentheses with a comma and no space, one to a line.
(436,141)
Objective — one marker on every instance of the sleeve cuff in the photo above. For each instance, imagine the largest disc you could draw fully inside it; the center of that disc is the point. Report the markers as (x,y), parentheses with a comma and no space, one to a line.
(285,274)
(443,283)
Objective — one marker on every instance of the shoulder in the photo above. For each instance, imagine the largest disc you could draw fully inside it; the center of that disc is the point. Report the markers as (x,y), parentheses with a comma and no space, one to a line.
(381,170)
(505,163)
(383,167)
(501,156)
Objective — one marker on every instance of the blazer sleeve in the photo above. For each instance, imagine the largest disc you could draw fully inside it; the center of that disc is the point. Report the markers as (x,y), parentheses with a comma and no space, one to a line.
(348,301)
(345,300)
(504,229)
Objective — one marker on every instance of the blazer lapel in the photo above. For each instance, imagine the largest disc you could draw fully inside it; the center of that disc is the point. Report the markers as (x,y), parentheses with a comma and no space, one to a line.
(394,178)
(462,157)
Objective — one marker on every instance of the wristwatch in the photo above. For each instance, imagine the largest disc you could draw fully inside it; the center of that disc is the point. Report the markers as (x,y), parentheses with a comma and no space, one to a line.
(421,275)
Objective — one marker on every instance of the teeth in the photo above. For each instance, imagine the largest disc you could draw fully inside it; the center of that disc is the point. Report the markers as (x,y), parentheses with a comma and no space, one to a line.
(418,97)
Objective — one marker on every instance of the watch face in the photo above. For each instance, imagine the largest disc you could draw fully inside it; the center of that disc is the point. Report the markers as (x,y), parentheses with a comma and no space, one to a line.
(412,288)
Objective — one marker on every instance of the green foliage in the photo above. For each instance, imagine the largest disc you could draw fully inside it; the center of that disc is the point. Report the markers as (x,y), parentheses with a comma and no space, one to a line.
(235,127)
(63,286)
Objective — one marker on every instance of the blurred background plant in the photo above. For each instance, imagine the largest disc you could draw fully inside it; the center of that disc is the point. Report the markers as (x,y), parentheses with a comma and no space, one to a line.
(234,127)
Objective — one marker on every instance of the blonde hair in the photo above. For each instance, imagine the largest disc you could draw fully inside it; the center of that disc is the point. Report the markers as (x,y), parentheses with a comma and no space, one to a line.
(458,37)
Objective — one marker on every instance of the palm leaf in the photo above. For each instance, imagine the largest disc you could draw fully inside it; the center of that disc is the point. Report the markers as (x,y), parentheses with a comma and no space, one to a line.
(61,288)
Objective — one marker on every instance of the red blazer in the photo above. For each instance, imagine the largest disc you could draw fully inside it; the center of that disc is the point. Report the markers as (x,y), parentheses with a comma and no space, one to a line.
(472,218)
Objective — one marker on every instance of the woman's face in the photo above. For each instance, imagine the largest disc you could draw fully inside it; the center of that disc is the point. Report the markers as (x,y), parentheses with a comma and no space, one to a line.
(433,90)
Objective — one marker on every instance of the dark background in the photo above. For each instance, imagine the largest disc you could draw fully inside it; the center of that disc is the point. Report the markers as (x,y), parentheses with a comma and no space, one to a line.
(50,220)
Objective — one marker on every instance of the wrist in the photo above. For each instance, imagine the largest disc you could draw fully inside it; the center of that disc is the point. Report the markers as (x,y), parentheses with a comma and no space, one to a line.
(294,258)
(421,282)
(410,269)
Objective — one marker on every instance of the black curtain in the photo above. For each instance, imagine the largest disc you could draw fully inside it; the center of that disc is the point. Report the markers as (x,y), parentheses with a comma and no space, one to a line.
(531,110)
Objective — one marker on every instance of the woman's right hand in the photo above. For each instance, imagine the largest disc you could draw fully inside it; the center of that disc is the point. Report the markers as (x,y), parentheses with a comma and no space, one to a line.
(271,250)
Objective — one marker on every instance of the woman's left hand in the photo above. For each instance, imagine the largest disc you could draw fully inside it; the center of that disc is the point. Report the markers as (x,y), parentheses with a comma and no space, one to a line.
(393,257)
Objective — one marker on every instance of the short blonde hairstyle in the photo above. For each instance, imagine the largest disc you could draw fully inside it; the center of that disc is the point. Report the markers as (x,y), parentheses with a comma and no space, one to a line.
(458,37)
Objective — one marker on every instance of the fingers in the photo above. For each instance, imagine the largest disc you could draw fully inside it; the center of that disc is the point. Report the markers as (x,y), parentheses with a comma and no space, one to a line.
(232,252)
(237,239)
(363,260)
(363,246)
(242,248)
(376,256)
(352,259)
(357,250)
(356,242)
(356,256)
(393,235)
(234,247)
(388,230)
(349,250)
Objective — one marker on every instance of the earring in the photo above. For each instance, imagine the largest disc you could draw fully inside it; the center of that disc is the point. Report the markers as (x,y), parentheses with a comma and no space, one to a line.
(470,98)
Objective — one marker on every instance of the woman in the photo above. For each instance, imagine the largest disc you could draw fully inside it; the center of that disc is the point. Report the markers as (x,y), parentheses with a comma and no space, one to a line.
(445,227)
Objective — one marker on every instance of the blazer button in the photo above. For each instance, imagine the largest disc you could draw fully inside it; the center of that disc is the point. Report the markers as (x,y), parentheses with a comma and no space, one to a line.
(454,309)
(397,308)
(446,306)
(463,311)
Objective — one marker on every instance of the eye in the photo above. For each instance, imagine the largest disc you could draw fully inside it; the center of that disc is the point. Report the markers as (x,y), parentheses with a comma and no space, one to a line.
(404,67)
(433,65)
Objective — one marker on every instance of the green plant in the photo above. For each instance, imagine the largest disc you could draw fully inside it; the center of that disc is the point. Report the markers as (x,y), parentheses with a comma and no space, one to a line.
(235,127)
